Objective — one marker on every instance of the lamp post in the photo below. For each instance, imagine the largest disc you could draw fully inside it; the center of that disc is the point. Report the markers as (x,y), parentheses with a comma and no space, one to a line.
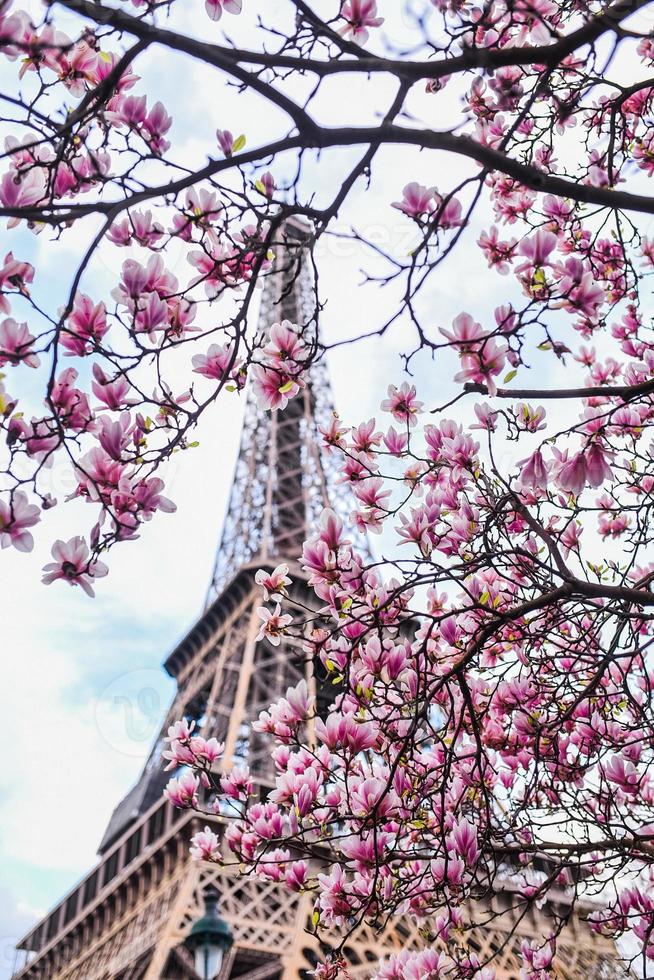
(210,938)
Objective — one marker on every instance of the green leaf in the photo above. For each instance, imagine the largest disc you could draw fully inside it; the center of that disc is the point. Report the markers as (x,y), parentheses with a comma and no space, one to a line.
(510,376)
(239,143)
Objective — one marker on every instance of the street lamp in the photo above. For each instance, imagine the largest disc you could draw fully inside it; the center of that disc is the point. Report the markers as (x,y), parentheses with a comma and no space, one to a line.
(210,938)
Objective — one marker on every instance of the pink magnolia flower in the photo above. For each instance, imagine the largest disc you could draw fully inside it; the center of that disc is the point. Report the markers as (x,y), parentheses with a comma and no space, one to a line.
(85,327)
(402,403)
(273,583)
(138,226)
(537,249)
(534,472)
(16,516)
(506,83)
(644,154)
(347,732)
(152,314)
(114,393)
(129,110)
(155,125)
(14,275)
(558,211)
(78,68)
(273,388)
(40,437)
(99,475)
(448,214)
(22,191)
(115,436)
(180,730)
(528,418)
(573,474)
(138,281)
(225,141)
(579,290)
(416,199)
(13,26)
(178,754)
(15,344)
(333,968)
(266,184)
(297,703)
(463,840)
(396,442)
(274,624)
(598,469)
(334,899)
(221,267)
(371,794)
(215,8)
(365,438)
(205,846)
(207,750)
(465,334)
(106,65)
(284,345)
(333,433)
(202,208)
(486,417)
(613,525)
(71,404)
(451,871)
(570,537)
(72,563)
(183,792)
(360,15)
(538,959)
(136,502)
(499,254)
(237,784)
(372,493)
(424,964)
(484,364)
(296,875)
(180,314)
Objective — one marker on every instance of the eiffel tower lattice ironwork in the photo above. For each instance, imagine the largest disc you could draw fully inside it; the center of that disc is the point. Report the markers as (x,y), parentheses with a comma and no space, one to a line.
(128,918)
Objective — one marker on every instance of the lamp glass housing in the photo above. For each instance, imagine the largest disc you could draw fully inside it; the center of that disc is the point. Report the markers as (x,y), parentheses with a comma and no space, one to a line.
(208,960)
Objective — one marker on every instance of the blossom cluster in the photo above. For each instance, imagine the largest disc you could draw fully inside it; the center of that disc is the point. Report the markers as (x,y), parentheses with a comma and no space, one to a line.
(470,693)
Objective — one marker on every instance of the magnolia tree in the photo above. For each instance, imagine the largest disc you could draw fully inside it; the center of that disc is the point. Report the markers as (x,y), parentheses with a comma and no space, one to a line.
(492,716)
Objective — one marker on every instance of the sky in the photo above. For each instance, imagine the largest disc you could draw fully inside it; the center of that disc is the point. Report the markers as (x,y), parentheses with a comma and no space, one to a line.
(83,692)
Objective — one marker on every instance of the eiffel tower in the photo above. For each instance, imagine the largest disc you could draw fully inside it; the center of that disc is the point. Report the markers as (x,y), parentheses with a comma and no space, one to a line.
(129,917)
